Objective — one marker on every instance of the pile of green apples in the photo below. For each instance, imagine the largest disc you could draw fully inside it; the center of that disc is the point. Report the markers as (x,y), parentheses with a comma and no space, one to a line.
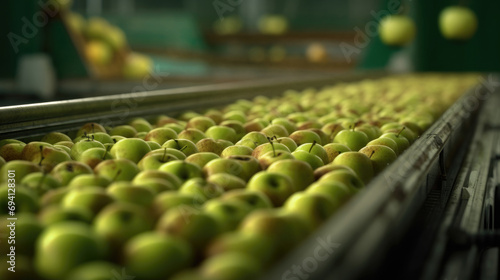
(220,194)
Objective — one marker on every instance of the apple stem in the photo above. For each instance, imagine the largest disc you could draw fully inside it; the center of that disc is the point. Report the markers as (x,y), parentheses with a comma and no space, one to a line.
(92,125)
(164,154)
(41,156)
(116,175)
(114,140)
(106,152)
(371,154)
(177,142)
(401,131)
(353,126)
(314,143)
(272,145)
(183,148)
(69,168)
(92,137)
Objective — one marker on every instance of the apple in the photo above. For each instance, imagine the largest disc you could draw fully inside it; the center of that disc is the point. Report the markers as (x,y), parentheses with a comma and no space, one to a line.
(335,149)
(250,166)
(254,126)
(318,173)
(118,222)
(331,129)
(227,181)
(401,141)
(254,245)
(275,130)
(89,180)
(405,132)
(89,128)
(182,169)
(192,134)
(223,165)
(170,200)
(313,208)
(153,145)
(235,116)
(237,126)
(64,148)
(162,120)
(287,124)
(315,149)
(83,145)
(156,256)
(40,182)
(53,197)
(54,137)
(268,147)
(227,213)
(236,150)
(175,127)
(131,148)
(153,160)
(26,200)
(22,168)
(52,214)
(2,161)
(385,142)
(278,187)
(64,172)
(190,224)
(100,137)
(90,198)
(211,145)
(117,169)
(397,30)
(222,132)
(355,140)
(129,193)
(256,137)
(313,160)
(201,123)
(156,174)
(32,151)
(254,199)
(141,125)
(27,229)
(93,156)
(346,177)
(68,144)
(156,185)
(457,23)
(201,158)
(188,115)
(185,146)
(273,156)
(64,246)
(126,131)
(231,265)
(288,142)
(359,162)
(300,172)
(12,151)
(168,151)
(201,188)
(381,156)
(215,115)
(305,136)
(338,192)
(160,135)
(94,270)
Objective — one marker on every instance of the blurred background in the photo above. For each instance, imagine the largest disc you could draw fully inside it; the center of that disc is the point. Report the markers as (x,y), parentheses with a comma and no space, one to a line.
(61,49)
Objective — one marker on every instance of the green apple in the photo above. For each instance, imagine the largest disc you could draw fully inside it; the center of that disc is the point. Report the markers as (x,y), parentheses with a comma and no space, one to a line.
(268,147)
(185,146)
(381,156)
(235,116)
(168,151)
(161,135)
(192,134)
(175,127)
(201,123)
(287,124)
(68,144)
(162,120)
(182,169)
(236,150)
(288,142)
(25,199)
(278,187)
(247,143)
(359,162)
(89,128)
(153,160)
(254,199)
(300,172)
(131,148)
(273,156)
(405,132)
(257,246)
(335,149)
(12,151)
(227,181)
(53,214)
(89,180)
(313,160)
(156,256)
(315,149)
(201,188)
(127,192)
(126,131)
(250,166)
(215,115)
(457,23)
(153,145)
(156,174)
(213,146)
(93,199)
(117,169)
(22,169)
(156,185)
(2,161)
(305,136)
(224,165)
(64,246)
(355,140)
(397,30)
(40,182)
(118,222)
(401,141)
(27,228)
(190,224)
(217,132)
(313,208)
(101,137)
(227,213)
(53,197)
(64,172)
(254,126)
(346,177)
(93,156)
(256,137)
(332,129)
(385,142)
(83,145)
(170,200)
(277,130)
(141,125)
(23,268)
(318,173)
(202,158)
(231,265)
(237,126)
(95,270)
(54,137)
(338,192)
